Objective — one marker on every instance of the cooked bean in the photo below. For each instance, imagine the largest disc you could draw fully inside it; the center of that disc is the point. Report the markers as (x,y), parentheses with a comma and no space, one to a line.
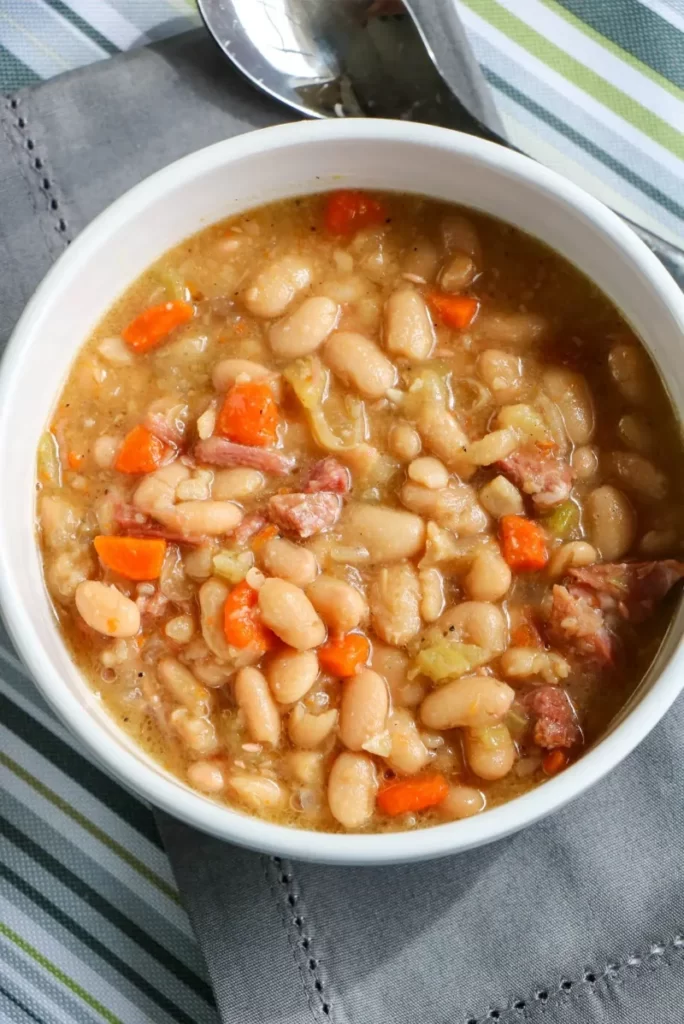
(502,373)
(197,735)
(638,474)
(340,605)
(444,437)
(254,699)
(527,662)
(493,447)
(657,543)
(183,687)
(309,731)
(635,432)
(574,555)
(276,285)
(306,329)
(212,598)
(490,751)
(431,594)
(198,563)
(363,709)
(393,665)
(59,522)
(501,498)
(408,753)
(428,472)
(459,235)
(519,330)
(395,603)
(291,674)
(306,767)
(352,785)
(403,441)
(389,535)
(289,613)
(458,273)
(475,701)
(289,561)
(462,802)
(115,351)
(359,363)
(237,484)
(66,572)
(571,394)
(207,776)
(228,370)
(489,578)
(105,450)
(421,259)
(106,610)
(455,507)
(585,462)
(408,327)
(610,522)
(258,792)
(156,493)
(629,368)
(203,518)
(476,622)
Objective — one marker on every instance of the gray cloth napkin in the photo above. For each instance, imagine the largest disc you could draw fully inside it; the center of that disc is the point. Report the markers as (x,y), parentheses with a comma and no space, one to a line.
(578,919)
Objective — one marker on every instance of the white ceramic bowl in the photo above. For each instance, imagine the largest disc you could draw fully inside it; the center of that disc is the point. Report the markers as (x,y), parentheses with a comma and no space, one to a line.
(215,183)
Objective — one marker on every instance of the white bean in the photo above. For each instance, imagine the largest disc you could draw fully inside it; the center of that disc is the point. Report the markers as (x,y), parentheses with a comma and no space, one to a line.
(207,776)
(454,507)
(395,603)
(408,327)
(115,351)
(156,492)
(198,563)
(462,802)
(490,751)
(431,594)
(291,674)
(310,731)
(289,613)
(59,522)
(519,330)
(340,605)
(635,432)
(258,792)
(389,535)
(571,394)
(352,785)
(363,709)
(305,767)
(289,561)
(403,441)
(106,610)
(408,753)
(475,701)
(359,363)
(476,622)
(180,629)
(493,447)
(574,555)
(459,235)
(610,522)
(657,543)
(306,329)
(203,518)
(393,665)
(526,662)
(254,699)
(105,450)
(630,370)
(228,370)
(638,474)
(198,735)
(428,472)
(421,259)
(502,372)
(489,577)
(458,273)
(585,462)
(276,285)
(183,687)
(444,437)
(501,498)
(237,484)
(212,597)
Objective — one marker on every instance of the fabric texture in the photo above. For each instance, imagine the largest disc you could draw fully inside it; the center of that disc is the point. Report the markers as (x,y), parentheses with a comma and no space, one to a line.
(580,918)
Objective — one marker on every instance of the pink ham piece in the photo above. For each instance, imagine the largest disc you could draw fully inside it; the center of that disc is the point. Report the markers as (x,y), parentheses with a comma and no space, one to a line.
(249,527)
(545,477)
(632,588)
(167,419)
(577,627)
(555,722)
(219,451)
(327,475)
(305,514)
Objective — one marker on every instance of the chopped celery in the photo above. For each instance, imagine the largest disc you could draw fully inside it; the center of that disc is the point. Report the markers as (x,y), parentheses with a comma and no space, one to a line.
(309,380)
(424,386)
(173,283)
(447,659)
(525,420)
(563,521)
(233,565)
(48,460)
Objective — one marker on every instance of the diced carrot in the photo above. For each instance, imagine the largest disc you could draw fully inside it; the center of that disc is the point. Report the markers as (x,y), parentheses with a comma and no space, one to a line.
(343,655)
(241,624)
(153,325)
(456,311)
(555,761)
(249,415)
(141,452)
(417,794)
(526,634)
(74,460)
(523,544)
(136,558)
(348,210)
(263,536)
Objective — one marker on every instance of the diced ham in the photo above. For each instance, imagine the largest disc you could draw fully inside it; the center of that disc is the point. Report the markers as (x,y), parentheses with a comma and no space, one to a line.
(577,627)
(219,451)
(249,527)
(167,419)
(305,514)
(541,474)
(327,475)
(632,588)
(555,721)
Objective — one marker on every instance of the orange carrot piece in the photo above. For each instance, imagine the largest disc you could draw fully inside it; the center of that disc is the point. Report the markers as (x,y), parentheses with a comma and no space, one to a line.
(153,325)
(555,762)
(241,624)
(348,210)
(343,655)
(417,794)
(249,415)
(263,537)
(523,544)
(141,452)
(136,558)
(526,635)
(74,460)
(456,311)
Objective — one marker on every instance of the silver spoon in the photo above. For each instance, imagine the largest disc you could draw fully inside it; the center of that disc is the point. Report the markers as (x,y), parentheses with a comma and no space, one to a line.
(371,58)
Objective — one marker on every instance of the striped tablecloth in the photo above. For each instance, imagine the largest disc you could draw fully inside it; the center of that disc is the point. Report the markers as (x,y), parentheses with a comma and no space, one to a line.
(91,928)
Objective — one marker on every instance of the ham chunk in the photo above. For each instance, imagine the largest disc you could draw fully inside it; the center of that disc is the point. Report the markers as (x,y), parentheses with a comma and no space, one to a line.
(219,451)
(249,527)
(555,721)
(632,588)
(577,627)
(545,477)
(327,475)
(305,514)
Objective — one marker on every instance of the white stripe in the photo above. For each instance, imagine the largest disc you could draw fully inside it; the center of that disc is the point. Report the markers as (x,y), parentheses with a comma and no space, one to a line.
(669,10)
(108,22)
(36,998)
(556,81)
(19,698)
(43,61)
(54,31)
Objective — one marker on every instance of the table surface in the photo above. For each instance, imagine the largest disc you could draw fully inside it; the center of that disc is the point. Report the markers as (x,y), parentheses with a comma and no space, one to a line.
(91,926)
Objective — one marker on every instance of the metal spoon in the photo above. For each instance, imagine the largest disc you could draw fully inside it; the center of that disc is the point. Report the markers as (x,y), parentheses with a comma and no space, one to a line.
(371,58)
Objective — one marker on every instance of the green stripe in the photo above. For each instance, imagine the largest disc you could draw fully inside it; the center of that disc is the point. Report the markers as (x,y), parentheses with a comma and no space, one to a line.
(634,31)
(83,26)
(90,942)
(58,974)
(14,73)
(57,801)
(580,75)
(112,914)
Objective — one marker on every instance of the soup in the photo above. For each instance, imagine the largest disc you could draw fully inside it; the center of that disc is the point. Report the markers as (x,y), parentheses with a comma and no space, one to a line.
(360,512)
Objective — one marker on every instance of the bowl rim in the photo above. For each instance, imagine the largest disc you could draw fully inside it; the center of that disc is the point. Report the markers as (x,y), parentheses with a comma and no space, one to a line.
(166,793)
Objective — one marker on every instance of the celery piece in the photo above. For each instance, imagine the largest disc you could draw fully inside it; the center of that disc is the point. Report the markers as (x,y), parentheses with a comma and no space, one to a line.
(448,659)
(48,460)
(309,380)
(563,521)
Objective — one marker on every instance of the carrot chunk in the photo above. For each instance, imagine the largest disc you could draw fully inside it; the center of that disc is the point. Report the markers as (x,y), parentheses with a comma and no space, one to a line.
(456,311)
(263,536)
(342,655)
(417,794)
(74,459)
(241,625)
(523,544)
(136,558)
(152,326)
(348,210)
(141,452)
(249,415)
(555,762)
